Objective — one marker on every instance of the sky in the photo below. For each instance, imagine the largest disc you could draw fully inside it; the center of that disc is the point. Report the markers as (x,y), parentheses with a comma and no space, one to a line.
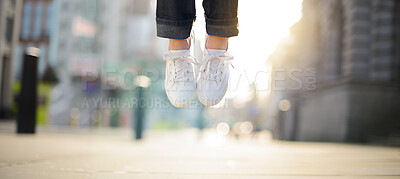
(262,25)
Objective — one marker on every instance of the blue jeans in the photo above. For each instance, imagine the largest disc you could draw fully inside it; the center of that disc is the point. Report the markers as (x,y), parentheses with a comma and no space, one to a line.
(175,18)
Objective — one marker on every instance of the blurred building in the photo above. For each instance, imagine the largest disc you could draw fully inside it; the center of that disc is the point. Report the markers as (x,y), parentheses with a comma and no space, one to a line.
(74,47)
(9,35)
(36,28)
(336,78)
(97,37)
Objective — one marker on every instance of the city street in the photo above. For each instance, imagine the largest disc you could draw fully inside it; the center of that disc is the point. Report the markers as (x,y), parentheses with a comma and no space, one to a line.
(112,153)
(302,78)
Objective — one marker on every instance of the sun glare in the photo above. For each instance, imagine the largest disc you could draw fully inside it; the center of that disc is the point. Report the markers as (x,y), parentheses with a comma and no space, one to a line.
(262,24)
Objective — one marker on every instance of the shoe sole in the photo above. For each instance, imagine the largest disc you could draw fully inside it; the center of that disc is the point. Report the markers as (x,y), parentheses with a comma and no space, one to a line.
(211,104)
(184,105)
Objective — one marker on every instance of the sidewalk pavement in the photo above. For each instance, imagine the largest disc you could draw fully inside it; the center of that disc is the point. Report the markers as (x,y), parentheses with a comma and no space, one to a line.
(112,153)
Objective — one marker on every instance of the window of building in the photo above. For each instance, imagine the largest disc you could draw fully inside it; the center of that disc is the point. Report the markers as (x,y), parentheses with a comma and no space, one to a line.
(9,28)
(26,20)
(38,20)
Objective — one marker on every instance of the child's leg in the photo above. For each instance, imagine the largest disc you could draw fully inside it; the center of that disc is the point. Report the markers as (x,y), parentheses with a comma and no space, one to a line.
(176,44)
(221,18)
(215,42)
(174,18)
(174,21)
(221,23)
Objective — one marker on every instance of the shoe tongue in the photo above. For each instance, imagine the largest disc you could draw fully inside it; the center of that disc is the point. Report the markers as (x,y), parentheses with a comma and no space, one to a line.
(214,62)
(179,63)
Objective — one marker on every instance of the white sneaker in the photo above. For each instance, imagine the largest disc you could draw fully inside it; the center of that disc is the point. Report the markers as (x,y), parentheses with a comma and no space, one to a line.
(180,82)
(213,78)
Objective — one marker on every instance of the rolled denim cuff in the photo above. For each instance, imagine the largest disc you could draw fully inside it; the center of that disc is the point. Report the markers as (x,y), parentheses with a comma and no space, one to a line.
(174,29)
(222,27)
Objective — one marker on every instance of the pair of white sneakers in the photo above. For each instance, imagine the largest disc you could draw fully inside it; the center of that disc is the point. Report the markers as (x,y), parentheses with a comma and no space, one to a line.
(184,76)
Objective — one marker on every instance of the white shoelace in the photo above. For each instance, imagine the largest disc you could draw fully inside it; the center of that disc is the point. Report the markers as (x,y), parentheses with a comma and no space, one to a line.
(211,67)
(181,71)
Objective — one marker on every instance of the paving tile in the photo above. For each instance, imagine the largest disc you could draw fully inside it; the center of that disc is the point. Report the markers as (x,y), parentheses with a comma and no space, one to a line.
(179,154)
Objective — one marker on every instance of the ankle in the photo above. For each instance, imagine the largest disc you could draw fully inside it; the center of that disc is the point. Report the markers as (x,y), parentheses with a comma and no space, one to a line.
(175,44)
(215,42)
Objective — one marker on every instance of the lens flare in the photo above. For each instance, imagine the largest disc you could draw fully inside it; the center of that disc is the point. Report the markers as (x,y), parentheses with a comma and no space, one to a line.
(223,128)
(143,81)
(246,127)
(285,105)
